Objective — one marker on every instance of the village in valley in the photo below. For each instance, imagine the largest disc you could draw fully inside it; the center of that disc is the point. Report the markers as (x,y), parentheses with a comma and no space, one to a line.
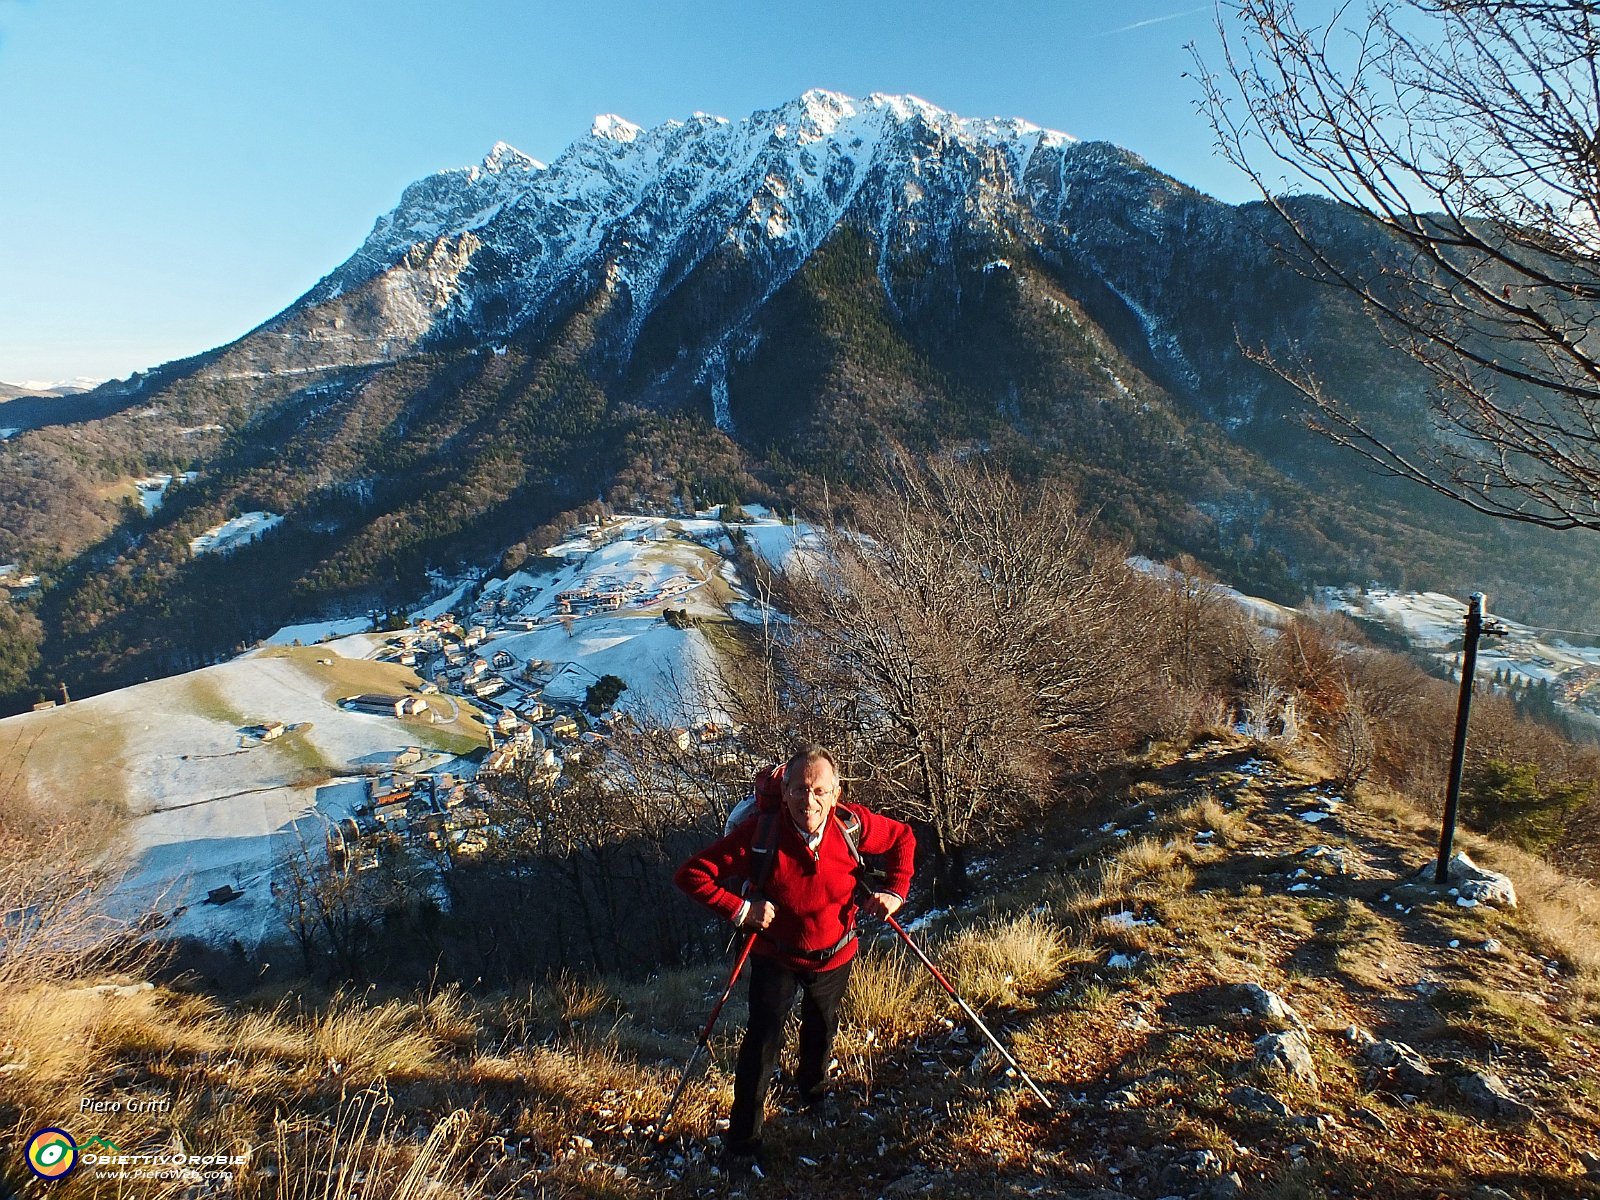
(548,658)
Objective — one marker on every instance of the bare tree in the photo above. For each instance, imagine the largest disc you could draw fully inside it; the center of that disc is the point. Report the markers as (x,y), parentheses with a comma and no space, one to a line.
(1467,130)
(962,642)
(339,912)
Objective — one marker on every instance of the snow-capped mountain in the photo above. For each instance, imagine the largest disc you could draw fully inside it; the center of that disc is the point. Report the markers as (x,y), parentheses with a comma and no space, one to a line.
(512,246)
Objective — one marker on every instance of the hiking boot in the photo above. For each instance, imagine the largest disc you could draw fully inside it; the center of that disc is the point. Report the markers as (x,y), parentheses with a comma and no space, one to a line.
(823,1109)
(744,1158)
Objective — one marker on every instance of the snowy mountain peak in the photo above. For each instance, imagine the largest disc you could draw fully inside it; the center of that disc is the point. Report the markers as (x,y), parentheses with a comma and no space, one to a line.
(505,158)
(487,249)
(613,128)
(909,108)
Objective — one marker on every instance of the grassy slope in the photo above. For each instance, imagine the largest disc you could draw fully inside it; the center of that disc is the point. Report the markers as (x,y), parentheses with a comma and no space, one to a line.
(552,1090)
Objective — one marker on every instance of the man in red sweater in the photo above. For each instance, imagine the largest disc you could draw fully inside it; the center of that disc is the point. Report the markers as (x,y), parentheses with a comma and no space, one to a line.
(803,918)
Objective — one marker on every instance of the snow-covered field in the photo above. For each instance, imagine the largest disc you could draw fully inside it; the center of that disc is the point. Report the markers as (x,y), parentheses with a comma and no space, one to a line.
(1432,621)
(153,489)
(661,563)
(207,801)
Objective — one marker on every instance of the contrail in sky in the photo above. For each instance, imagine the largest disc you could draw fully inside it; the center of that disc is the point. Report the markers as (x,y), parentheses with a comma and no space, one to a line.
(1188,12)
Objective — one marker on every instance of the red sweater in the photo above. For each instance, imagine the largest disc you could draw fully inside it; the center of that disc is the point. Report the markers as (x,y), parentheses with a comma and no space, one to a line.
(814,894)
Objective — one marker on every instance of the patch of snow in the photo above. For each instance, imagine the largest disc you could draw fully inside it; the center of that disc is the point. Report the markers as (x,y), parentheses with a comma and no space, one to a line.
(231,534)
(444,604)
(1126,920)
(317,631)
(153,489)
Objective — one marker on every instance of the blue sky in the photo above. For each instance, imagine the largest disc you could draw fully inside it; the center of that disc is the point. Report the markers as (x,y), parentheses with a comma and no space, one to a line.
(174,172)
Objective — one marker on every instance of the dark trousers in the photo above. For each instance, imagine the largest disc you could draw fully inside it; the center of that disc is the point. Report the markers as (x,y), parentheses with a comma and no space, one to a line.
(772,988)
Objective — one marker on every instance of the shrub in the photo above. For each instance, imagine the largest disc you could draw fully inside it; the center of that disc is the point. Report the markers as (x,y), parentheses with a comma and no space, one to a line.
(1507,801)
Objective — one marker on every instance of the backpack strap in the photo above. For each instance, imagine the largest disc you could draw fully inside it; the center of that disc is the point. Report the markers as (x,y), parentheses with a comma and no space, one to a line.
(850,825)
(764,846)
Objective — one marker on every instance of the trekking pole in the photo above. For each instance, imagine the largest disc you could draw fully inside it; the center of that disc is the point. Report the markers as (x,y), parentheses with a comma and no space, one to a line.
(966,1008)
(705,1034)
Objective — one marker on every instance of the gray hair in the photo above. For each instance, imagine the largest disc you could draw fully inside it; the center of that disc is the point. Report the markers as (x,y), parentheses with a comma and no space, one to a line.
(806,755)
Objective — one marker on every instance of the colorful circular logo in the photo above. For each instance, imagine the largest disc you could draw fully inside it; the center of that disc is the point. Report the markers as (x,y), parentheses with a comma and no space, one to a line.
(52,1154)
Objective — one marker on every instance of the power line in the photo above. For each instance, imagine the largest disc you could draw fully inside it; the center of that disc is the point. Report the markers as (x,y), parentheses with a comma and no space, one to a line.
(1588,633)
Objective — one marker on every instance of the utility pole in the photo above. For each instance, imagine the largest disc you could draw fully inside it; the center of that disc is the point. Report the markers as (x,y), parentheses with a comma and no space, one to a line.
(1476,627)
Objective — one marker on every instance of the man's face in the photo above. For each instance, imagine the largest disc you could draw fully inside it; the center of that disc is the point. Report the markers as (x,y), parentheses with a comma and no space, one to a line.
(811,794)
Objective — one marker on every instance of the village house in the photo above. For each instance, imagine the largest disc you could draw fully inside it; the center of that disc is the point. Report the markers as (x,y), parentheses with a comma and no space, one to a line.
(271,731)
(501,761)
(485,686)
(389,788)
(383,705)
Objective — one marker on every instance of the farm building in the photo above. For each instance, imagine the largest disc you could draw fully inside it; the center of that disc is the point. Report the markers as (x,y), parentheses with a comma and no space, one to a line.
(386,706)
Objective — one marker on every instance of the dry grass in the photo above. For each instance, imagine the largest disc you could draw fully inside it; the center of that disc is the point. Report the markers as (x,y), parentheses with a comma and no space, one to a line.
(1148,858)
(891,998)
(1228,825)
(269,1036)
(672,1000)
(1364,947)
(1008,961)
(43,760)
(1561,914)
(363,1043)
(364,1154)
(551,1092)
(451,1018)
